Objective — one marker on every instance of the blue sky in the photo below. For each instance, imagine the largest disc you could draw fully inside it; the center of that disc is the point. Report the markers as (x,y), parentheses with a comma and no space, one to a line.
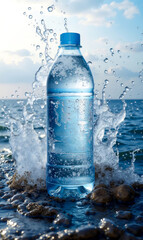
(103,24)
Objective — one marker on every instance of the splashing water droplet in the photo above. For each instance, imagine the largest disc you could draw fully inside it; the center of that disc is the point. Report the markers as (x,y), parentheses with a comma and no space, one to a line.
(51,30)
(56,82)
(106,60)
(121,84)
(41,12)
(112,51)
(51,39)
(118,51)
(65,24)
(133,82)
(29,8)
(106,71)
(24,13)
(30,16)
(42,22)
(50,9)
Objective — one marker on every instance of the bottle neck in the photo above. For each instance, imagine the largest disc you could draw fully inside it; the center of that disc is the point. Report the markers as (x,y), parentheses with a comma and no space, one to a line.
(69,50)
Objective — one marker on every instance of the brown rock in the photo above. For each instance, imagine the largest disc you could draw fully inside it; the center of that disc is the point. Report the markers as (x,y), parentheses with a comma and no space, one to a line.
(110,229)
(36,210)
(88,232)
(101,195)
(124,193)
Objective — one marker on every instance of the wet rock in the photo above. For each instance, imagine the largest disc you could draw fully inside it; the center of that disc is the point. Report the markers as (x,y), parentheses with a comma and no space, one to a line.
(128,236)
(101,195)
(90,212)
(62,220)
(7,196)
(50,236)
(5,219)
(124,215)
(1,185)
(135,229)
(124,193)
(110,229)
(137,186)
(89,232)
(18,196)
(36,210)
(6,206)
(1,193)
(86,232)
(15,203)
(101,185)
(139,219)
(22,208)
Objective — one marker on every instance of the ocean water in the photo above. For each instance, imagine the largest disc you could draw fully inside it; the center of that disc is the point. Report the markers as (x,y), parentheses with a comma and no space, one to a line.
(23,143)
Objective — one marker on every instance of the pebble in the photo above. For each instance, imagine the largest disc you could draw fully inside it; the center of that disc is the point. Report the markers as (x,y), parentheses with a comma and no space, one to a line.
(135,229)
(110,229)
(124,215)
(62,220)
(101,195)
(124,193)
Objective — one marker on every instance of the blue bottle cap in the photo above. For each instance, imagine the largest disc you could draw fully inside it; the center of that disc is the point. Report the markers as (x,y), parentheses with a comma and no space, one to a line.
(70,39)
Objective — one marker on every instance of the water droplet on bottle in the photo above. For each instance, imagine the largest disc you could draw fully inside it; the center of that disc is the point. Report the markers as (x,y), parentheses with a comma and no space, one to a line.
(41,12)
(142,44)
(12,95)
(55,35)
(51,30)
(106,71)
(50,9)
(37,47)
(121,84)
(51,39)
(127,89)
(24,13)
(40,54)
(89,62)
(106,60)
(118,51)
(30,16)
(29,8)
(106,81)
(117,80)
(132,82)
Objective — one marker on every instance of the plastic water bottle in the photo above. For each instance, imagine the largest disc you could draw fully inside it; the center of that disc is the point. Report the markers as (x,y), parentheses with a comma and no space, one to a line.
(70,168)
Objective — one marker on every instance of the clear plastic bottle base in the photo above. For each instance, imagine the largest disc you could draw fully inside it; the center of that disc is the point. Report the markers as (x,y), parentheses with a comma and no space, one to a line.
(69,192)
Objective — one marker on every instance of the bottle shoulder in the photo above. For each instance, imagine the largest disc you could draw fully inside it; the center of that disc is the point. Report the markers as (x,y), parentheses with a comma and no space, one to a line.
(70,72)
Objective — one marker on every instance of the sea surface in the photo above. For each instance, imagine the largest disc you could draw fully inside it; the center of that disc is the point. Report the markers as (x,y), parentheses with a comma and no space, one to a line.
(15,224)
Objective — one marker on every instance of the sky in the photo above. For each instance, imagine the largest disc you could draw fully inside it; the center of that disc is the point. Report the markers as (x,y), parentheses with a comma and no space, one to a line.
(111,38)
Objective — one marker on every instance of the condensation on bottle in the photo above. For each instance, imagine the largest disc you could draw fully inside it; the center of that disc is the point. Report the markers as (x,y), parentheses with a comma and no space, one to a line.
(70,91)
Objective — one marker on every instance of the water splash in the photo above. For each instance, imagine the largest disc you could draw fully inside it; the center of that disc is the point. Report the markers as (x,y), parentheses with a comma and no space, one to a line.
(29,145)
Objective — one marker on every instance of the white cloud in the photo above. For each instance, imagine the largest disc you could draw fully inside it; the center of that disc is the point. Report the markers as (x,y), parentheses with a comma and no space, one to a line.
(128,8)
(20,53)
(98,14)
(23,72)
